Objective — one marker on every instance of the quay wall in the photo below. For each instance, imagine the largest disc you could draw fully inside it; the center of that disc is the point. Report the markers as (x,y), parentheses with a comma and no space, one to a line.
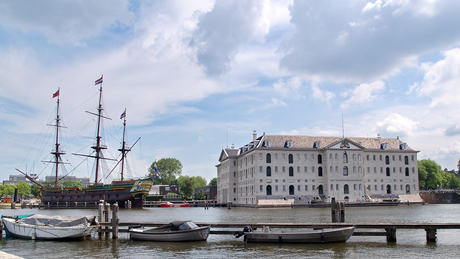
(440,197)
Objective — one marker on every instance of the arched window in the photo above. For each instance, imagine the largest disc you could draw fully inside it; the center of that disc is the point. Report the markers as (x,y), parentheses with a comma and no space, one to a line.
(332,187)
(337,187)
(388,189)
(330,156)
(291,171)
(269,158)
(330,169)
(406,160)
(387,160)
(269,190)
(291,189)
(345,171)
(407,189)
(320,171)
(345,158)
(269,171)
(345,189)
(291,158)
(354,157)
(388,171)
(320,159)
(407,171)
(320,190)
(336,156)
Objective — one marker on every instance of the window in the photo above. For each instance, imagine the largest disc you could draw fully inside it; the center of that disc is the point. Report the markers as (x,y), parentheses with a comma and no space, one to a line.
(345,171)
(406,160)
(260,157)
(345,158)
(320,171)
(330,156)
(388,189)
(276,156)
(306,169)
(260,169)
(320,190)
(407,189)
(380,157)
(298,188)
(373,157)
(336,156)
(269,190)
(269,158)
(354,157)
(345,189)
(320,159)
(407,171)
(337,187)
(298,169)
(388,171)
(261,188)
(288,144)
(387,160)
(284,169)
(367,157)
(269,171)
(291,190)
(332,187)
(291,171)
(306,188)
(276,169)
(291,158)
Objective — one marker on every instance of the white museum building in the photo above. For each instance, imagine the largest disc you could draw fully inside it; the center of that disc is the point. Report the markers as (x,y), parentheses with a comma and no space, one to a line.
(307,168)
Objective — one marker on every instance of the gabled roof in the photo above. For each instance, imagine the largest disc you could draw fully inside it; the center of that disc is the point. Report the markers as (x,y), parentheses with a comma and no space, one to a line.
(279,141)
(228,152)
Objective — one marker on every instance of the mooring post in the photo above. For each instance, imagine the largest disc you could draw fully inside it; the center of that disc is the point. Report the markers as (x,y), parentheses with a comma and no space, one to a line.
(430,235)
(115,220)
(342,212)
(391,234)
(99,217)
(229,205)
(106,215)
(333,212)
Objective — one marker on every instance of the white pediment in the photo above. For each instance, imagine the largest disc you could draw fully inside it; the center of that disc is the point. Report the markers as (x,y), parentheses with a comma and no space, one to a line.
(344,144)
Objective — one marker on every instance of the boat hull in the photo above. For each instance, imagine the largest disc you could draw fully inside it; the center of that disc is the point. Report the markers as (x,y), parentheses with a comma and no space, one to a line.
(196,234)
(301,236)
(28,231)
(167,205)
(118,192)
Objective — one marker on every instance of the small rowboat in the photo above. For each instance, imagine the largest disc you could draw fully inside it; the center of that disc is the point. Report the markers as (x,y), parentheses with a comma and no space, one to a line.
(266,235)
(177,231)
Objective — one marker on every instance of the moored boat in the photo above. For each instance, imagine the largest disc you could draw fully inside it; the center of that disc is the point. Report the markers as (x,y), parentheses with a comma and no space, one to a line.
(173,205)
(49,227)
(177,231)
(267,235)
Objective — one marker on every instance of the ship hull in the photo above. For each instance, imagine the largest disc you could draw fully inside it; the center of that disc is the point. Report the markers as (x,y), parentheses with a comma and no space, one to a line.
(118,192)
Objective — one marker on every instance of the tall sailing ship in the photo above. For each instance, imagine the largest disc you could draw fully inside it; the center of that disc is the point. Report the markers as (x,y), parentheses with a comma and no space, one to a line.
(121,192)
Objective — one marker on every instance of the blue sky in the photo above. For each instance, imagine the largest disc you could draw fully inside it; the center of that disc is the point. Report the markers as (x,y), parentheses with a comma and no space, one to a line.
(198,76)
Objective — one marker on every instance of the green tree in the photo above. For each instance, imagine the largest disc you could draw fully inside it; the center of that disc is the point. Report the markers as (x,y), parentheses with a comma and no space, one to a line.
(34,189)
(422,174)
(6,190)
(23,189)
(187,184)
(433,173)
(72,184)
(168,169)
(201,193)
(213,181)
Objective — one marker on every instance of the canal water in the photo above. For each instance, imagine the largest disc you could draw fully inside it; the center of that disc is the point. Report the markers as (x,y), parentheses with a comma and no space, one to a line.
(410,243)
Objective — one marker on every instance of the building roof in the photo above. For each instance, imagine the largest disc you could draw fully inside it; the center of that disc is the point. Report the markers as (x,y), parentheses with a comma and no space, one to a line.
(314,142)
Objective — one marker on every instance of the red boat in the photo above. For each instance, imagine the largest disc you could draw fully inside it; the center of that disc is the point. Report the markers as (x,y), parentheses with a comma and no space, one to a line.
(173,205)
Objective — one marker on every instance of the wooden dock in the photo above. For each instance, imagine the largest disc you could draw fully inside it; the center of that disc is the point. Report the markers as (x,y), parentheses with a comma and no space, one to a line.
(109,223)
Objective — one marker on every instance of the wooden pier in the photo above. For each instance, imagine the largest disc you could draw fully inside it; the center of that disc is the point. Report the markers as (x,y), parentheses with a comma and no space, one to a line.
(109,223)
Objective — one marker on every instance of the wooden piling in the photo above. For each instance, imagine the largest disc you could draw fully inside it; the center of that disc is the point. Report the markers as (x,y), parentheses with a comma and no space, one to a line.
(115,221)
(430,235)
(100,218)
(337,211)
(391,234)
(106,214)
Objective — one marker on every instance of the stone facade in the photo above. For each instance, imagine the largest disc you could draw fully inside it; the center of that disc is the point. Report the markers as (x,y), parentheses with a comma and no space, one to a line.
(306,169)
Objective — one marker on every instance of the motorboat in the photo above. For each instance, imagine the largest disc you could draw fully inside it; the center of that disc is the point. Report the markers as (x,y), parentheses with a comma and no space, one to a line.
(267,235)
(173,205)
(35,226)
(177,231)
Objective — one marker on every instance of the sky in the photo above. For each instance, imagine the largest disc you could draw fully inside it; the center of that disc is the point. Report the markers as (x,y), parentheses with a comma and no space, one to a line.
(199,76)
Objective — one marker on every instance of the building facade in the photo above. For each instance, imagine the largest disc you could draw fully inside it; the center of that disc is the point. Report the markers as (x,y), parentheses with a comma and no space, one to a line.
(306,168)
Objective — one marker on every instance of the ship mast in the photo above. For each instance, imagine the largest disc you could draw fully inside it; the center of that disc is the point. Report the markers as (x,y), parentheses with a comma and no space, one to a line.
(57,153)
(124,150)
(99,146)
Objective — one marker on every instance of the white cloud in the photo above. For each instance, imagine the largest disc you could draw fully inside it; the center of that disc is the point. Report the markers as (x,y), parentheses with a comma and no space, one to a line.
(363,94)
(278,102)
(442,80)
(66,22)
(357,41)
(289,88)
(322,95)
(396,124)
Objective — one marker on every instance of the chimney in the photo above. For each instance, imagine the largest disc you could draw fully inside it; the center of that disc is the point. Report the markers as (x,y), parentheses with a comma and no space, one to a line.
(254,135)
